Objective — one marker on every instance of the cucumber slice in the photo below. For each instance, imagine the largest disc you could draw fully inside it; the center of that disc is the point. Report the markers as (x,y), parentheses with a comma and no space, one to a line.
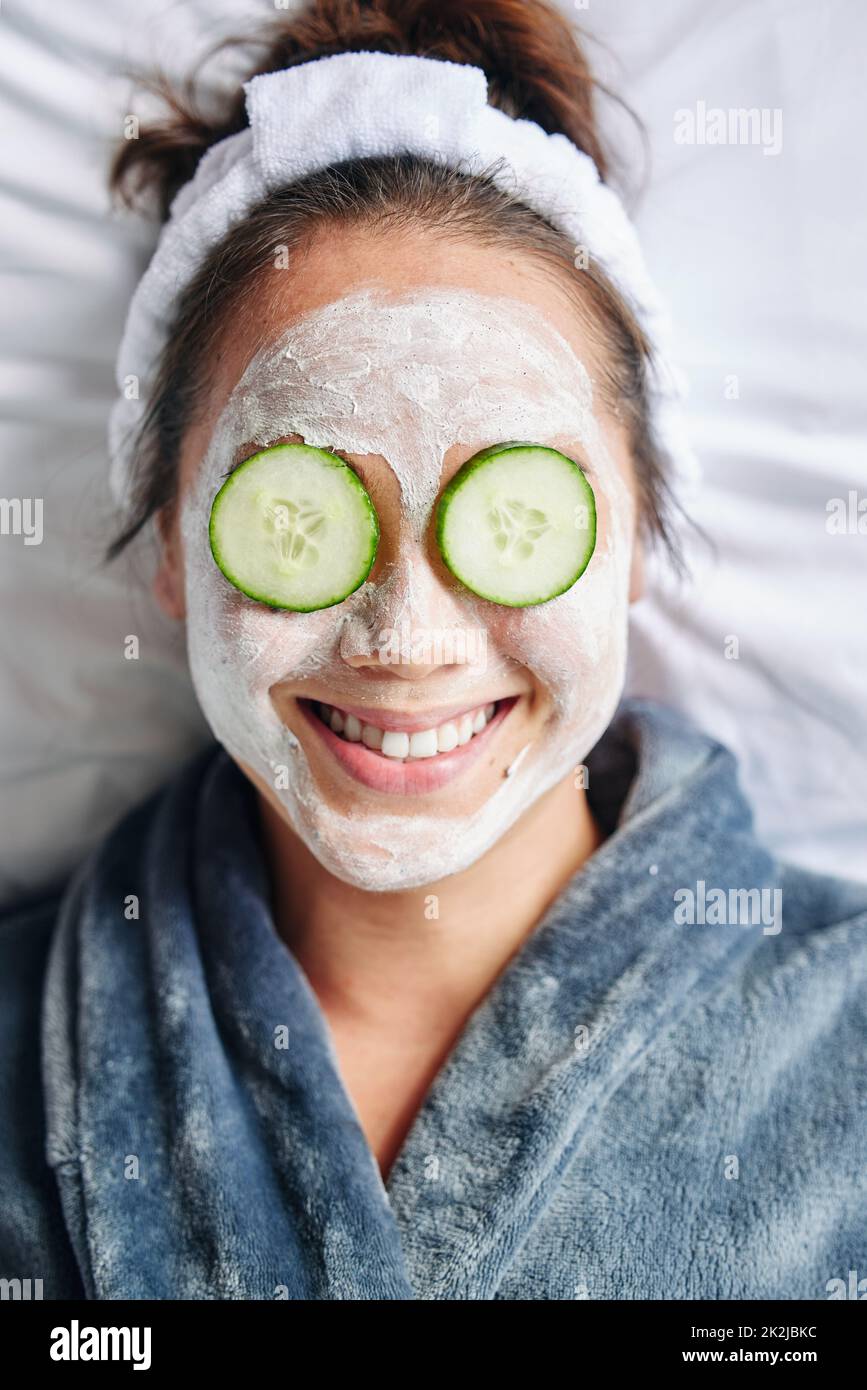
(293,527)
(517,524)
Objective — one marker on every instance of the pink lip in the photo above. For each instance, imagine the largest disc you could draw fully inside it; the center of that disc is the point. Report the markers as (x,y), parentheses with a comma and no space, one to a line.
(396,778)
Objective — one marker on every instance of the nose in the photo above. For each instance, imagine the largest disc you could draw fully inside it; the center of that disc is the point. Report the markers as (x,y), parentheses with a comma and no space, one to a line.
(411,623)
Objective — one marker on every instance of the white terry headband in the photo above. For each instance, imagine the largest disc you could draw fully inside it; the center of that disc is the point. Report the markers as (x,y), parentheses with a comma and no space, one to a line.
(348,105)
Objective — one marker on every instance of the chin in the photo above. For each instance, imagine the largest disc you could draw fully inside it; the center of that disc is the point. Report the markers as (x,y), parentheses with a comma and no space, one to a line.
(384,852)
(391,853)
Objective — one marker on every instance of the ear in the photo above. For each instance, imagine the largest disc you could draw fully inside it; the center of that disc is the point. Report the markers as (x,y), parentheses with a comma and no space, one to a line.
(636,578)
(168,582)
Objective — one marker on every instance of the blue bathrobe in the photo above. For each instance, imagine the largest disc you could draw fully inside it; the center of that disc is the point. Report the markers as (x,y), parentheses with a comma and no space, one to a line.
(664,1094)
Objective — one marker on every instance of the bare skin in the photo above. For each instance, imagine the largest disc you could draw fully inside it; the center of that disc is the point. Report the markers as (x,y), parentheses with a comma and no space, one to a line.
(398,979)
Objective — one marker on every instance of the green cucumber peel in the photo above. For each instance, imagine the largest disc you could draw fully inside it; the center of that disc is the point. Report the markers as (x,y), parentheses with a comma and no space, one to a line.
(517,524)
(293,527)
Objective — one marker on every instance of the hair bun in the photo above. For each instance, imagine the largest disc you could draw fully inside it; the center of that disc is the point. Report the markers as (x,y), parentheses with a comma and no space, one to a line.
(528,50)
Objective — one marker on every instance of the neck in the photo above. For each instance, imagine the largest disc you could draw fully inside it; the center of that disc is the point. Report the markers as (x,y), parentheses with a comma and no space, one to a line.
(421,960)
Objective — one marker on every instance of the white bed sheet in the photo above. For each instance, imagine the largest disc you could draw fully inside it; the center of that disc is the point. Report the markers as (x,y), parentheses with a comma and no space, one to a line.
(761,258)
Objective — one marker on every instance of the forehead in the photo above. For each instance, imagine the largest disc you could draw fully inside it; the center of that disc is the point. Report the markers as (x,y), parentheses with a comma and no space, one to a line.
(337,265)
(432,353)
(347,352)
(408,376)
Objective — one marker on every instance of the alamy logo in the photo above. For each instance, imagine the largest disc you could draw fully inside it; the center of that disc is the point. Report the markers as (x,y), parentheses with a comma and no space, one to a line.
(20,1289)
(846,516)
(854,1288)
(432,646)
(741,907)
(734,125)
(75,1343)
(22,516)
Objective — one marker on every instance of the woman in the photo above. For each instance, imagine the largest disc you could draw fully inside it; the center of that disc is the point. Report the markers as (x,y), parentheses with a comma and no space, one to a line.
(444,973)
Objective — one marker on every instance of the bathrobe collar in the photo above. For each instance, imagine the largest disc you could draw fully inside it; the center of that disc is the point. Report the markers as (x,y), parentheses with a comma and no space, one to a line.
(203,1141)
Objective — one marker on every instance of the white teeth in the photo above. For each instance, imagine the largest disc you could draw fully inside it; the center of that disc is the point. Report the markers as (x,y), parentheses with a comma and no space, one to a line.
(394,743)
(423,744)
(447,737)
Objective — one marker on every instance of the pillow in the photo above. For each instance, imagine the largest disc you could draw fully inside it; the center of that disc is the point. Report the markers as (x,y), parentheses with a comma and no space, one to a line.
(759,255)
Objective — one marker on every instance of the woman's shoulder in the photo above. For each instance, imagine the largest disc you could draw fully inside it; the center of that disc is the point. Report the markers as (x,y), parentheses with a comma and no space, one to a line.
(33,1240)
(818,910)
(809,972)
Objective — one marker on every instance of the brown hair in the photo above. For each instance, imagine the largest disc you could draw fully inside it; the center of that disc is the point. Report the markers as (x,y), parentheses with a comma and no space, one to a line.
(535,68)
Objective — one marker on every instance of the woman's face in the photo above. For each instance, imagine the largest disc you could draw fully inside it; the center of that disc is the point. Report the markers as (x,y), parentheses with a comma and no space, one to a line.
(406,357)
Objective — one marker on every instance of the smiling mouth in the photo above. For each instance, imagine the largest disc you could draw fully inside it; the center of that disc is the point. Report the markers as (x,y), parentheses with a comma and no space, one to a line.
(401,743)
(404,754)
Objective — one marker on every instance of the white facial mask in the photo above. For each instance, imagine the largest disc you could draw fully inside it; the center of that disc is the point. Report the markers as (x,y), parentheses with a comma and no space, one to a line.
(408,377)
